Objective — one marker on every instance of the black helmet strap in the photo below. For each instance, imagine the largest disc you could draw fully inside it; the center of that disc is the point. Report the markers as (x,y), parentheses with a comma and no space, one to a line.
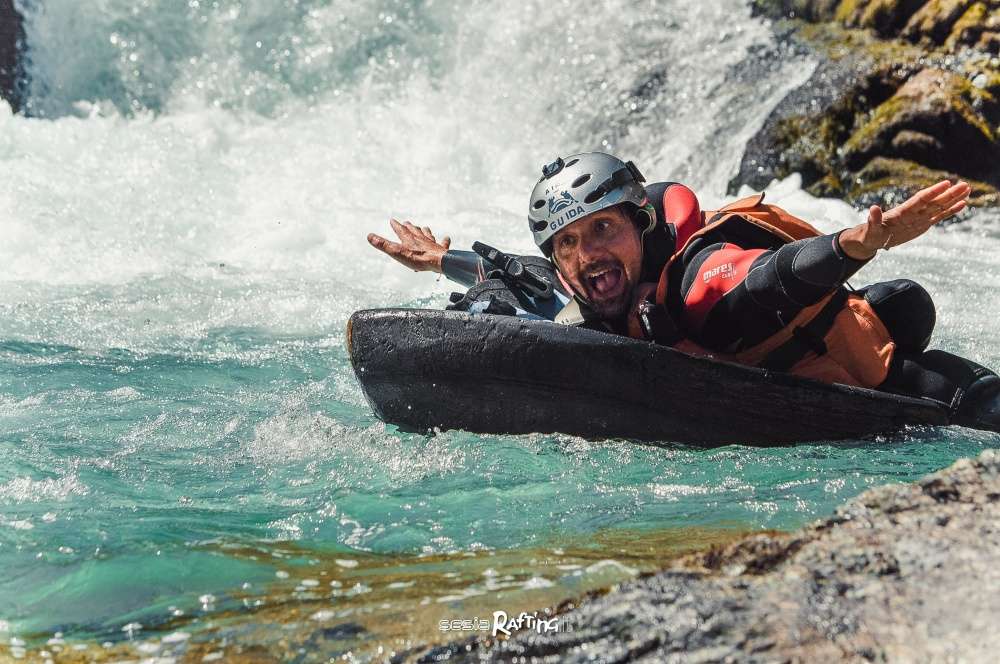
(629,174)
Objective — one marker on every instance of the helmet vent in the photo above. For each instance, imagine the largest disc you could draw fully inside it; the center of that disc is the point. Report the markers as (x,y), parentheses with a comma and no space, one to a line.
(538,226)
(595,196)
(539,203)
(580,180)
(571,162)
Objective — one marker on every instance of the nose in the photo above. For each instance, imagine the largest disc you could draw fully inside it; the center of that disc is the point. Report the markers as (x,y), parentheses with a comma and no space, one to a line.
(591,250)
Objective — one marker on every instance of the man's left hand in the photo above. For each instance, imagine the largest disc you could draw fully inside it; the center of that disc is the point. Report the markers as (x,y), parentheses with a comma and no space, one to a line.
(907,221)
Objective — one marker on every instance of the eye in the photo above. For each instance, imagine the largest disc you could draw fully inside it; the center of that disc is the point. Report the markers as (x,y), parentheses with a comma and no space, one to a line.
(565,244)
(602,226)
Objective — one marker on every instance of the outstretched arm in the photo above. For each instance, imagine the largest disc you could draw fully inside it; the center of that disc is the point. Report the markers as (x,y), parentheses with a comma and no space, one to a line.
(734,297)
(907,221)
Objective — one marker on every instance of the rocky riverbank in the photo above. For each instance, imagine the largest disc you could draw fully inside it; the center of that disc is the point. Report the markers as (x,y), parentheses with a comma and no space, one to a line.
(906,92)
(900,573)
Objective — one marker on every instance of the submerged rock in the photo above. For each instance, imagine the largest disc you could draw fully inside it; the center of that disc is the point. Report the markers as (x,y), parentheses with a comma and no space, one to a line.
(900,573)
(905,95)
(11,41)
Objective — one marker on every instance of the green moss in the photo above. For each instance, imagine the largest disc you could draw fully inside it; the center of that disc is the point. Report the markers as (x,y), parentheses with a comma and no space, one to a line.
(960,96)
(835,41)
(963,97)
(827,186)
(865,138)
(934,20)
(883,175)
(879,13)
(974,19)
(847,10)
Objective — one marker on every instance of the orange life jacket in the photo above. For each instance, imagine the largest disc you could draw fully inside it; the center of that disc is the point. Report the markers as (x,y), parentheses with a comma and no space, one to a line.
(839,339)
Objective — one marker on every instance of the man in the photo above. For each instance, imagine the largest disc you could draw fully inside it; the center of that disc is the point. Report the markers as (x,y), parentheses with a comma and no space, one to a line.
(748,283)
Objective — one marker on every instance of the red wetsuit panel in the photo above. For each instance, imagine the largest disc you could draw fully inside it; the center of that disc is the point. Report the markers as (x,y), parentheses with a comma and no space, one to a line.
(681,209)
(724,270)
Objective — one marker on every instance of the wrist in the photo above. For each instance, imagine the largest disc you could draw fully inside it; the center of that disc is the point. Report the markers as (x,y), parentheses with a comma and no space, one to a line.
(854,243)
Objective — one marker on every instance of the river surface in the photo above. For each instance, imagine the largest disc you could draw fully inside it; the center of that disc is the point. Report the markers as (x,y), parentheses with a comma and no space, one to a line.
(188,467)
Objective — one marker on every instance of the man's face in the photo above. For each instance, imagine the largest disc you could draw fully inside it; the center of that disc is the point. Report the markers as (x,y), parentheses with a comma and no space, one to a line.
(600,256)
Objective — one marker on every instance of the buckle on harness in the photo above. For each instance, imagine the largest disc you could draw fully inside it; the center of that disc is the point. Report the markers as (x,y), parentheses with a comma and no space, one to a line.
(657,324)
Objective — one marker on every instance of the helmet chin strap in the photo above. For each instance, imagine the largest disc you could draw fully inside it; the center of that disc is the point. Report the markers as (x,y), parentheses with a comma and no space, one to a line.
(650,213)
(566,284)
(563,281)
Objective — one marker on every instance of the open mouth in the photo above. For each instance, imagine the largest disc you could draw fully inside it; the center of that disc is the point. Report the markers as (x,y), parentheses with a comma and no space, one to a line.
(605,282)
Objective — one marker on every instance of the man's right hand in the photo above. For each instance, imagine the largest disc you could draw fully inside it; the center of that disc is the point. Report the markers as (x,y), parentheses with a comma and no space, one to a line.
(417,248)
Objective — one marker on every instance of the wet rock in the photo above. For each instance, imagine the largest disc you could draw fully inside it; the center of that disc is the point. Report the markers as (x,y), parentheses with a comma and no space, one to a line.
(900,573)
(11,41)
(885,181)
(935,20)
(343,631)
(804,131)
(932,110)
(906,93)
(810,10)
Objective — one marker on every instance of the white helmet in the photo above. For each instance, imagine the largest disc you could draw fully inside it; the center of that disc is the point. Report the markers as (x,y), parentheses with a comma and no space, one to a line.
(582,184)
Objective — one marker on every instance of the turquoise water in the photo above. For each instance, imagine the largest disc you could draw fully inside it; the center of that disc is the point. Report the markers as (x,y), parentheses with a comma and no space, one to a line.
(183,242)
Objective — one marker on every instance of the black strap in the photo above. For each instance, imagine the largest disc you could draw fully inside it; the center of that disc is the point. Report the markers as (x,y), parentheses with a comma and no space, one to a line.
(628,174)
(808,337)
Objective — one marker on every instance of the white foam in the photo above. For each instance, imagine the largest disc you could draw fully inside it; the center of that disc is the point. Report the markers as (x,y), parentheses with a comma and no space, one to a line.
(29,490)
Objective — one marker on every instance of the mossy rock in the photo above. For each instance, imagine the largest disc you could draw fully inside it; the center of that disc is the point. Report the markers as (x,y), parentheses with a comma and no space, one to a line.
(971,27)
(935,20)
(952,23)
(810,10)
(934,108)
(911,103)
(12,76)
(885,17)
(884,181)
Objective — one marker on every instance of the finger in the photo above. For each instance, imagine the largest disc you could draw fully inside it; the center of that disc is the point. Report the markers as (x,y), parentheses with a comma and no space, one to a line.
(922,198)
(401,229)
(446,242)
(946,201)
(954,190)
(380,243)
(933,191)
(415,231)
(426,230)
(874,216)
(951,211)
(959,192)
